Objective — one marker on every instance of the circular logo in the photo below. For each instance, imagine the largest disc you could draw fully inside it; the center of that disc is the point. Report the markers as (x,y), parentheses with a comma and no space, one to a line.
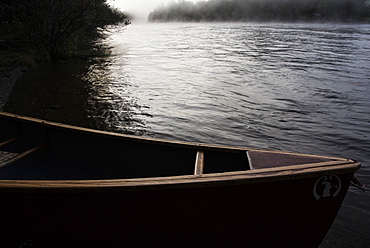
(327,186)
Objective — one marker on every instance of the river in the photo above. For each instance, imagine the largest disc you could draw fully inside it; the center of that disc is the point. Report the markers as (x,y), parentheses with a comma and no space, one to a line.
(293,87)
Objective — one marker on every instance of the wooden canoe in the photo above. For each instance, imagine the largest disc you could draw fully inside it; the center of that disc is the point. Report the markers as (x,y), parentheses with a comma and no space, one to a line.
(65,186)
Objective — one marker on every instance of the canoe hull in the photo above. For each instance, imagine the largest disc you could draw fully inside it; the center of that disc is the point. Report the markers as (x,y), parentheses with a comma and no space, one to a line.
(76,187)
(282,214)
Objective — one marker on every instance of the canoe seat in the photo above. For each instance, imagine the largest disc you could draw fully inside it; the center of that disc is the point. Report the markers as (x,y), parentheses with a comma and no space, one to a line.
(5,157)
(8,158)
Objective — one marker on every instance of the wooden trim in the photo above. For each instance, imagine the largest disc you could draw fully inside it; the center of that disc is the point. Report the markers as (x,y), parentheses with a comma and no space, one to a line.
(299,168)
(5,143)
(295,154)
(199,164)
(206,180)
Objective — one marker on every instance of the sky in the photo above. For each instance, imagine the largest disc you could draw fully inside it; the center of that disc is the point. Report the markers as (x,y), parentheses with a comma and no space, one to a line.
(141,8)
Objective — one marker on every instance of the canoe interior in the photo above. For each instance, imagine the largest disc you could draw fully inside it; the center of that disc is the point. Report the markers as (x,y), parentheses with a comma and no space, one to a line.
(74,154)
(32,149)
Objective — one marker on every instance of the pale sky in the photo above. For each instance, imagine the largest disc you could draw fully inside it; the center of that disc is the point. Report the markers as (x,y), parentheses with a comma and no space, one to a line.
(142,8)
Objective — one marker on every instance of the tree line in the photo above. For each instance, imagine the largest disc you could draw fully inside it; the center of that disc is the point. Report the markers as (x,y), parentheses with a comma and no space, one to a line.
(51,29)
(263,10)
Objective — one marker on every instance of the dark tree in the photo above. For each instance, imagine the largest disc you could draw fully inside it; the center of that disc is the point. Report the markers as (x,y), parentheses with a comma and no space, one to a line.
(55,28)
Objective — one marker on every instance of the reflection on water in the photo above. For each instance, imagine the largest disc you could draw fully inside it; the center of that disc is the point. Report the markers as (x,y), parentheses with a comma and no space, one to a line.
(295,87)
(112,110)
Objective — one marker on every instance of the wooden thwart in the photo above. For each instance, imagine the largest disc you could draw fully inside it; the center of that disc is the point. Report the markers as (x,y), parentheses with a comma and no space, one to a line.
(5,143)
(199,164)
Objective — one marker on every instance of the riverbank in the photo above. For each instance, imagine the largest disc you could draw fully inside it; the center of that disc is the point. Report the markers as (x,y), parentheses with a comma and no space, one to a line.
(8,78)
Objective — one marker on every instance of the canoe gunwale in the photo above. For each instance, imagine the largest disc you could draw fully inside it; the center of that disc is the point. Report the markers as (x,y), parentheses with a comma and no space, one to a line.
(191,181)
(156,141)
(291,172)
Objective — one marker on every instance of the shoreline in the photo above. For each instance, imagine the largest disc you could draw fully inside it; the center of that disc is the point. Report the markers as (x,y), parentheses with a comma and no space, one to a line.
(53,91)
(8,79)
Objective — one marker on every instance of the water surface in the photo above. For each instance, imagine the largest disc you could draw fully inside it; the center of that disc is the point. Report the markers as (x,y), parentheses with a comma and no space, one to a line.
(296,87)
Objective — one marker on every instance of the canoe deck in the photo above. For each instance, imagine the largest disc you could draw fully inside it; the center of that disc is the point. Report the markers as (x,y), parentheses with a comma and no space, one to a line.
(263,159)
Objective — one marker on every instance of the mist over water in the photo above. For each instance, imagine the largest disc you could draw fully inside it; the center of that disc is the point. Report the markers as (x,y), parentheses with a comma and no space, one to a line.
(295,87)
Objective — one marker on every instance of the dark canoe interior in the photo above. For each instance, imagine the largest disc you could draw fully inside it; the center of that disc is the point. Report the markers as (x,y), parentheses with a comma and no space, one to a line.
(35,150)
(74,154)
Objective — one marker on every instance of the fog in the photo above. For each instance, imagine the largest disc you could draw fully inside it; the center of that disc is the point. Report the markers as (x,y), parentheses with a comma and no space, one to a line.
(140,9)
(264,10)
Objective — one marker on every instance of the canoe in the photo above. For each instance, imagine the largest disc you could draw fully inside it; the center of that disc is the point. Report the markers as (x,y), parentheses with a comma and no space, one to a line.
(66,186)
